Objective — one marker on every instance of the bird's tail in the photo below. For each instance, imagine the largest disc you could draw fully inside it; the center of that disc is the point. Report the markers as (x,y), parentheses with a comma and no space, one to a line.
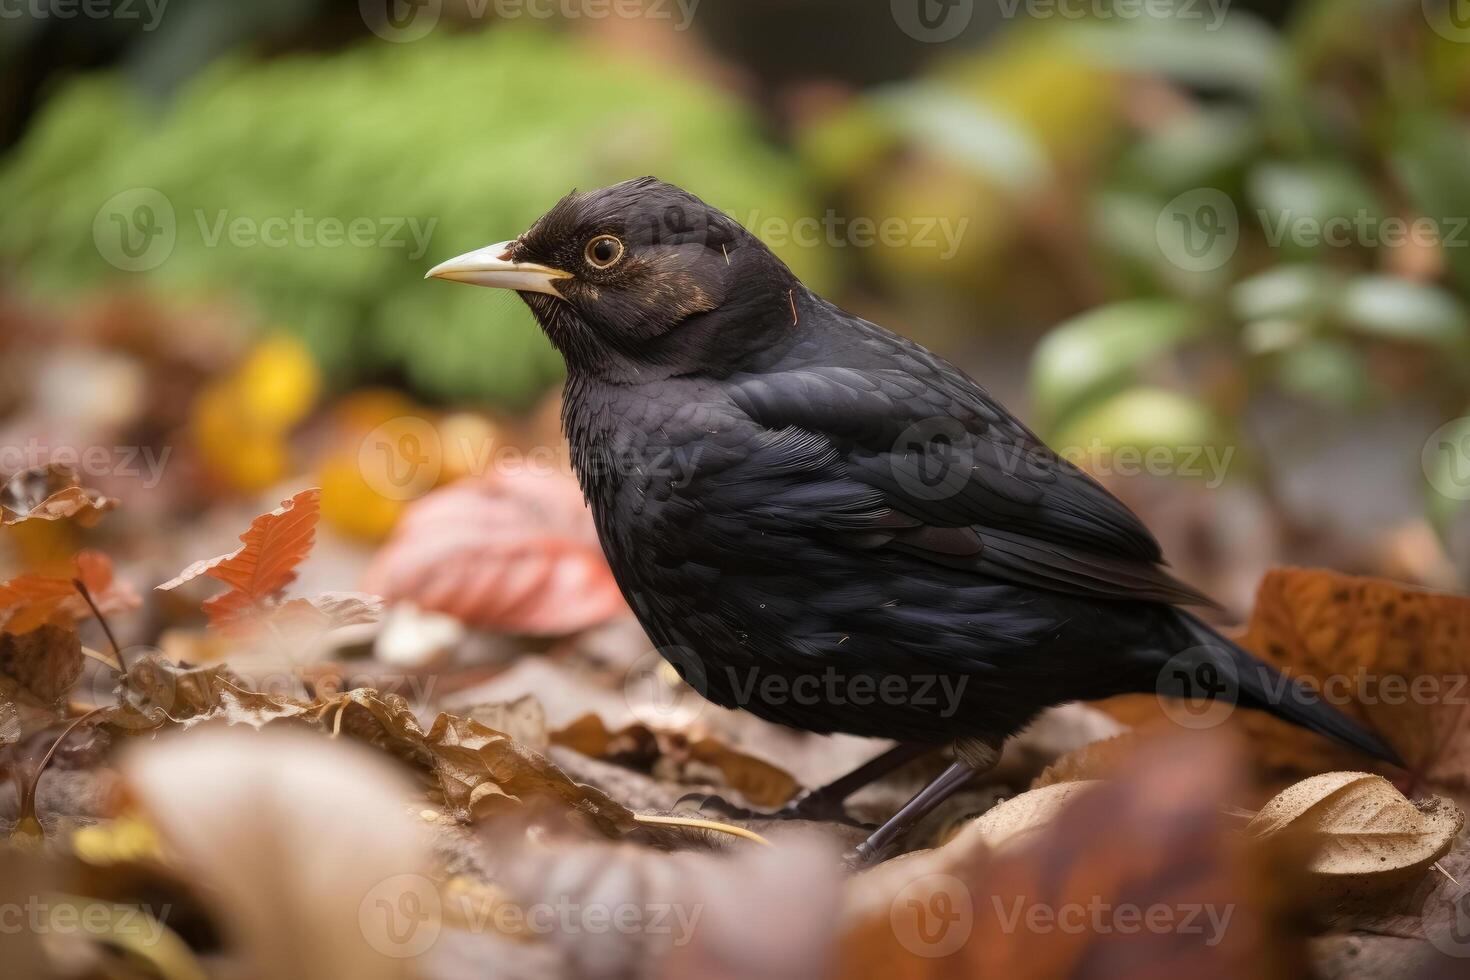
(1214,665)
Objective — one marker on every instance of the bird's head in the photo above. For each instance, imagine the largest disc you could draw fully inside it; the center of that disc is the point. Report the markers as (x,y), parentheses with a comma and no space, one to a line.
(636,277)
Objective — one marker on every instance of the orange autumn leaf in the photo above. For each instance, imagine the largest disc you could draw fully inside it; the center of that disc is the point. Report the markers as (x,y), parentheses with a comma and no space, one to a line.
(265,563)
(1394,657)
(30,600)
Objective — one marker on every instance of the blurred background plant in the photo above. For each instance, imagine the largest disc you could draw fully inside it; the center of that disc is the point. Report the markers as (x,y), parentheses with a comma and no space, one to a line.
(1235,233)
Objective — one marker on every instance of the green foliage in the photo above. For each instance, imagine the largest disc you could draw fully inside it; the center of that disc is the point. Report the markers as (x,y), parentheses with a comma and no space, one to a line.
(465,138)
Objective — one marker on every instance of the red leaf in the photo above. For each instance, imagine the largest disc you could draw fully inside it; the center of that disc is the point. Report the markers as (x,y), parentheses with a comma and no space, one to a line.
(261,568)
(515,554)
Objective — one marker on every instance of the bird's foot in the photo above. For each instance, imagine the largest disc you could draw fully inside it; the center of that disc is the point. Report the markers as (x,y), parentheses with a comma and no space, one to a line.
(808,805)
(861,858)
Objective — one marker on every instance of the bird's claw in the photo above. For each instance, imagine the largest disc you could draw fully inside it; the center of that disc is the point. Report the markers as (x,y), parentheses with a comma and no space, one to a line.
(809,805)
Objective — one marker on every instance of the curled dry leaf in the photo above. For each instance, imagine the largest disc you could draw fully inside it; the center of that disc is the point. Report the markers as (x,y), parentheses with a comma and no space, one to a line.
(298,859)
(265,563)
(51,493)
(1015,820)
(155,692)
(515,554)
(479,771)
(1366,834)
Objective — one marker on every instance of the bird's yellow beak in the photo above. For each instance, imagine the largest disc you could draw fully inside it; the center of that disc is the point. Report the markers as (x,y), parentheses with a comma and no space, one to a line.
(491,266)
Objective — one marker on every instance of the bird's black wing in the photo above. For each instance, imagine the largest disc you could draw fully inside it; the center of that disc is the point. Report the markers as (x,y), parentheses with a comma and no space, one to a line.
(963,483)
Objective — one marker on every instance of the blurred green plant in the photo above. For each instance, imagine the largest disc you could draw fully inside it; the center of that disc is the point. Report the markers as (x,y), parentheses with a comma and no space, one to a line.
(464,139)
(1213,209)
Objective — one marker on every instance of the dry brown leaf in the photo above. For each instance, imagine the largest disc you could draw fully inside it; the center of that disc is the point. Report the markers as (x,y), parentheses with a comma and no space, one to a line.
(522,719)
(265,563)
(1394,657)
(756,912)
(515,554)
(480,772)
(1016,819)
(51,493)
(642,748)
(300,860)
(44,662)
(1104,891)
(1365,834)
(155,692)
(760,782)
(1100,760)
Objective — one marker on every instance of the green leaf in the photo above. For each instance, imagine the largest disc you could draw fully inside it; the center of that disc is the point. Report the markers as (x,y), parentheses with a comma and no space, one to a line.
(1091,352)
(1398,309)
(1163,431)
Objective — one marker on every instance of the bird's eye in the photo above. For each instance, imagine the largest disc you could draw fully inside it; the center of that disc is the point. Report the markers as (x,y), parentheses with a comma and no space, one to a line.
(603,251)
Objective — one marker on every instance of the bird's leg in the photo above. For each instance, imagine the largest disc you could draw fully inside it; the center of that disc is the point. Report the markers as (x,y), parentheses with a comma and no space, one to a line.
(825,802)
(973,755)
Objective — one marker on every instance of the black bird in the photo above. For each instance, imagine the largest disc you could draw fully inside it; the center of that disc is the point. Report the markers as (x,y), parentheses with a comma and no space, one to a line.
(826,524)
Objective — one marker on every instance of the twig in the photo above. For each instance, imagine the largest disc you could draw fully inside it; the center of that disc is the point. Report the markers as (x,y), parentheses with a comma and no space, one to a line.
(700,824)
(791,298)
(92,604)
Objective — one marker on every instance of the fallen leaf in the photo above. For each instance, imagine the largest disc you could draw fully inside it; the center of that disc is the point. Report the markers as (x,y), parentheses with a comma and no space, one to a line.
(44,662)
(154,693)
(479,772)
(1365,834)
(1013,820)
(1103,891)
(669,753)
(260,569)
(30,600)
(515,554)
(294,858)
(51,493)
(1099,760)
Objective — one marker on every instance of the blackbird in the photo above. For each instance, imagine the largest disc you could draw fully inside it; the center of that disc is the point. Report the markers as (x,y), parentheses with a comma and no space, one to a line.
(823,523)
